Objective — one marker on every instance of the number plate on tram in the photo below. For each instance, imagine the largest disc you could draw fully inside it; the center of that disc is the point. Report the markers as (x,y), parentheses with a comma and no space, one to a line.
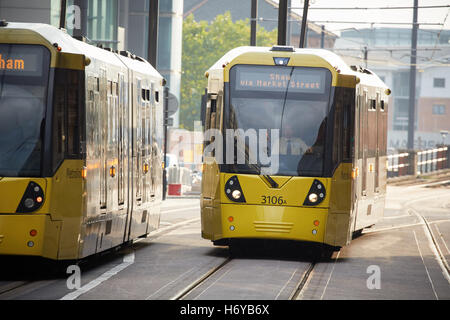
(273,200)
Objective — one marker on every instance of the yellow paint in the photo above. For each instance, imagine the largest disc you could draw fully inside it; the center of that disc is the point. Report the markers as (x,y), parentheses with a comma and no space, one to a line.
(12,191)
(58,221)
(273,222)
(68,204)
(291,220)
(15,235)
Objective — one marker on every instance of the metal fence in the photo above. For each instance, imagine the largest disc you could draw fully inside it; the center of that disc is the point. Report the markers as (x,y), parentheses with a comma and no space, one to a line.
(418,162)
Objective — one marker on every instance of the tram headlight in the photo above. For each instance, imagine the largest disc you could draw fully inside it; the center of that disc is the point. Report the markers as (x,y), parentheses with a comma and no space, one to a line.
(316,194)
(32,199)
(236,194)
(233,190)
(313,197)
(29,203)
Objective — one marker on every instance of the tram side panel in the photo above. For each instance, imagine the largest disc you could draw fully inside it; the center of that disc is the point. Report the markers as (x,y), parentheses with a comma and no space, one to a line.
(371,180)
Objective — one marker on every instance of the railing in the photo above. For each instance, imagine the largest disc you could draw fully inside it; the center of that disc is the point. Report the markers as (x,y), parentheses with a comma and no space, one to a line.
(432,160)
(398,164)
(418,162)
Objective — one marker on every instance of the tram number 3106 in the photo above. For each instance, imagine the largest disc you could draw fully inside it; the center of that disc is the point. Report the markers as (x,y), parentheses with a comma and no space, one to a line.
(272,200)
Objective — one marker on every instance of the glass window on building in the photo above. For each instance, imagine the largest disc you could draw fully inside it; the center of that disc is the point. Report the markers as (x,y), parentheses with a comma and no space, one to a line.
(401,84)
(438,109)
(55,11)
(102,20)
(401,114)
(439,82)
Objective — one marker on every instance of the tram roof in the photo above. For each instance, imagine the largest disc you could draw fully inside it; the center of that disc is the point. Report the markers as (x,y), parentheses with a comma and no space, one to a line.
(366,76)
(69,44)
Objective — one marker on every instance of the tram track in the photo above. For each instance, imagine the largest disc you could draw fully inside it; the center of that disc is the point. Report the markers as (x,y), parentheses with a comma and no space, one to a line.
(297,293)
(208,280)
(20,288)
(197,283)
(434,246)
(433,242)
(11,286)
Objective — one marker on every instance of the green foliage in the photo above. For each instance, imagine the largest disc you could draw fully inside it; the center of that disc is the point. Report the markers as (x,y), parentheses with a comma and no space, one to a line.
(203,45)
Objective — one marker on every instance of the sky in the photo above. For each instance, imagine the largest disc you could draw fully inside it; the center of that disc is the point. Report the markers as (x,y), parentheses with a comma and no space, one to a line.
(435,15)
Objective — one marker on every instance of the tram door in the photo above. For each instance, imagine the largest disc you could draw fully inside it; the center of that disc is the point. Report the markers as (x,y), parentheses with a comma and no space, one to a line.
(111,142)
(210,123)
(378,140)
(144,149)
(103,137)
(151,137)
(364,110)
(121,143)
(136,125)
(356,156)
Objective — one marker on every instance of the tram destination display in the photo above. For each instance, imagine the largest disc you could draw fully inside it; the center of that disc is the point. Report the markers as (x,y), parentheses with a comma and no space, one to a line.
(21,60)
(296,80)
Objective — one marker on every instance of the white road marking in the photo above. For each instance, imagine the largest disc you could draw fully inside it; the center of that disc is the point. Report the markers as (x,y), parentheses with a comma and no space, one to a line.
(180,209)
(426,269)
(397,217)
(127,261)
(329,278)
(190,270)
(173,226)
(223,275)
(393,228)
(287,282)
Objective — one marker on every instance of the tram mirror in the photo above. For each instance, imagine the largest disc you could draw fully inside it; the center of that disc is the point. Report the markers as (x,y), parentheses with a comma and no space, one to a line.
(172,107)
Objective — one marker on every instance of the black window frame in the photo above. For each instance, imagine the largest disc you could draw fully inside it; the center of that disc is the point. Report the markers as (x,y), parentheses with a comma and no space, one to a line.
(76,140)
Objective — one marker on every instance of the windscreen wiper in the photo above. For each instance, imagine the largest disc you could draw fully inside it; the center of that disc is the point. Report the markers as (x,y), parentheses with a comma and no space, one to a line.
(272,182)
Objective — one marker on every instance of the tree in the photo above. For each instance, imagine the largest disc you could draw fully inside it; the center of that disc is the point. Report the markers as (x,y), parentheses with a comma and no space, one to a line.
(203,45)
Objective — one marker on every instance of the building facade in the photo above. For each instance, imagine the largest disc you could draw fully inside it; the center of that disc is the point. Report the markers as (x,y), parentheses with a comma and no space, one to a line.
(388,54)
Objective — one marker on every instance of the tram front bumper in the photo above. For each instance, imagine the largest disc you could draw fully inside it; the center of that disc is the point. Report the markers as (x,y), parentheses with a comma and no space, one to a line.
(273,222)
(29,235)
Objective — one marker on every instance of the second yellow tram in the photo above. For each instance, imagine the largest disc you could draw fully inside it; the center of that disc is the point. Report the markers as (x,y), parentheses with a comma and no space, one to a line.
(329,121)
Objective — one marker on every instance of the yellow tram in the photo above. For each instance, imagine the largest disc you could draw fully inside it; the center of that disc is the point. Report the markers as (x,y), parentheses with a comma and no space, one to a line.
(80,144)
(322,123)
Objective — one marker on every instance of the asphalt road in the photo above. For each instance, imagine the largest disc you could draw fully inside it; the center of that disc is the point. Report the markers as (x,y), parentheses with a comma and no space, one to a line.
(404,257)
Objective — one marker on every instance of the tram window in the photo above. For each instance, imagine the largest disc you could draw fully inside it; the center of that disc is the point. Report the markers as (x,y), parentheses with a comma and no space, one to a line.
(382,105)
(143,94)
(147,95)
(114,91)
(347,143)
(66,111)
(73,94)
(337,134)
(58,120)
(157,96)
(373,104)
